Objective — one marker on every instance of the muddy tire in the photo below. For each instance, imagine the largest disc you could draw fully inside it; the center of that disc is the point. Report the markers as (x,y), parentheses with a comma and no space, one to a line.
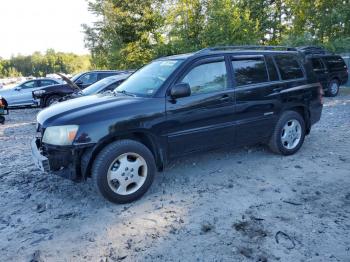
(123,171)
(288,134)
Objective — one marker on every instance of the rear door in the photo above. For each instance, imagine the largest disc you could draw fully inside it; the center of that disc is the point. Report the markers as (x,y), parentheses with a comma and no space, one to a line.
(257,87)
(320,70)
(205,118)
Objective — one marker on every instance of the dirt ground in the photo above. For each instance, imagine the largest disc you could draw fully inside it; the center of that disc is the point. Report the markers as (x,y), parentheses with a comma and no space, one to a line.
(242,204)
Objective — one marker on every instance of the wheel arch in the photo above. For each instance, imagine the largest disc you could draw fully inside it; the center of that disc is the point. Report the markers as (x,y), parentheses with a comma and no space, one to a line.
(143,137)
(305,113)
(48,96)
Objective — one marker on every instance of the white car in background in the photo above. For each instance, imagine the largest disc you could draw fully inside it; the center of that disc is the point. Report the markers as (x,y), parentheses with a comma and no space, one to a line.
(21,94)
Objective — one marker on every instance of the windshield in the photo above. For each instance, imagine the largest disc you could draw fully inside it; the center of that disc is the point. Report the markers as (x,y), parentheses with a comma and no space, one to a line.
(147,80)
(75,77)
(96,87)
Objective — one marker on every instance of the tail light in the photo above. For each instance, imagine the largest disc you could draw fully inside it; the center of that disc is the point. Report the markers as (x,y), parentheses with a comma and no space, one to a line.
(320,93)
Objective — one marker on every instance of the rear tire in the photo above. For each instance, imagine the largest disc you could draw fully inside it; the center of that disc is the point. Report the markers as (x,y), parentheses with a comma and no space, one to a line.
(289,133)
(333,88)
(52,100)
(123,171)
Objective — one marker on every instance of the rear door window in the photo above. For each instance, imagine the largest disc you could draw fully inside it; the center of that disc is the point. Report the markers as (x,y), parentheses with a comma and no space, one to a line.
(47,82)
(289,67)
(271,68)
(249,71)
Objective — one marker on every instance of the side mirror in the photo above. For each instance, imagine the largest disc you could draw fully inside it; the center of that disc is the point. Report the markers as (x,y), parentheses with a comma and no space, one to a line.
(180,90)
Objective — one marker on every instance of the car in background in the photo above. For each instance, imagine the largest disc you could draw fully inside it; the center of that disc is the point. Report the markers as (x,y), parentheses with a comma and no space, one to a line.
(54,93)
(3,110)
(21,94)
(329,68)
(107,84)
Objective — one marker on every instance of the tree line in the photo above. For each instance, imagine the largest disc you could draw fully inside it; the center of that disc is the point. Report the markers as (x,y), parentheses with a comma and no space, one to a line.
(39,64)
(128,34)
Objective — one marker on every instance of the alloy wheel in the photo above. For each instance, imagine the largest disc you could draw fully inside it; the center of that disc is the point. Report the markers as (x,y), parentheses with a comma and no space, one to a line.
(291,134)
(127,173)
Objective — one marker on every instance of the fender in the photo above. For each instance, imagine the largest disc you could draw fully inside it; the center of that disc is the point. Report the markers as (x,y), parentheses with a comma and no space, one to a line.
(157,146)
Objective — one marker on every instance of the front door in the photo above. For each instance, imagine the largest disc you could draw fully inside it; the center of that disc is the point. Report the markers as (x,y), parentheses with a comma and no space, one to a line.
(205,118)
(23,94)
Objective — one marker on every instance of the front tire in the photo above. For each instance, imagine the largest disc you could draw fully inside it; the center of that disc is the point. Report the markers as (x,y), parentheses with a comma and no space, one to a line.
(333,88)
(289,133)
(123,171)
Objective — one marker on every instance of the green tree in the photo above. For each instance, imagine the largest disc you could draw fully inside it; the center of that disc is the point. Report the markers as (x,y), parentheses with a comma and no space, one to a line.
(229,24)
(126,34)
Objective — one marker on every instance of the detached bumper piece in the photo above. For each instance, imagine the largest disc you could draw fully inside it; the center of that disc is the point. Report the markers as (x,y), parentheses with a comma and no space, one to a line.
(58,162)
(40,161)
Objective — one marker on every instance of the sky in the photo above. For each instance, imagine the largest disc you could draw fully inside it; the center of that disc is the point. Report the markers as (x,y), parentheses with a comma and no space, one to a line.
(27,26)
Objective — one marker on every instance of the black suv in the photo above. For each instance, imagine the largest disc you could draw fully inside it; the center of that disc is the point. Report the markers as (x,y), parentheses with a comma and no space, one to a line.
(177,105)
(51,94)
(329,68)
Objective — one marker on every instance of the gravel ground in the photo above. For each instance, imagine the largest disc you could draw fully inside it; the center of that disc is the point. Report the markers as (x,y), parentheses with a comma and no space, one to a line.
(242,204)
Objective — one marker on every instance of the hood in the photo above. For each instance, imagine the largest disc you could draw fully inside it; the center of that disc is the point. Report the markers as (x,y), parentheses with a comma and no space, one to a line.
(87,109)
(55,87)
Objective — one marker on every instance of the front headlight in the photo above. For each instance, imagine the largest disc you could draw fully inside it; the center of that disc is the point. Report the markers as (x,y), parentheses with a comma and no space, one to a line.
(60,135)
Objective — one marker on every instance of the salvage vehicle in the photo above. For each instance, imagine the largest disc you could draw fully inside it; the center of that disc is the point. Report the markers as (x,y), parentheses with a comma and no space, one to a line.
(178,105)
(52,94)
(107,84)
(21,95)
(330,69)
(3,109)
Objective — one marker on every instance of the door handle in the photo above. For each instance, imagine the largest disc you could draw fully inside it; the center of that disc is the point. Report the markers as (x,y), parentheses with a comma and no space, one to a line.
(225,98)
(278,89)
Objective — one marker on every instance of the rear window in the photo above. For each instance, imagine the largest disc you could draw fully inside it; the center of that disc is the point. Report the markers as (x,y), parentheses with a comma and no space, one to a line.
(335,63)
(289,67)
(249,71)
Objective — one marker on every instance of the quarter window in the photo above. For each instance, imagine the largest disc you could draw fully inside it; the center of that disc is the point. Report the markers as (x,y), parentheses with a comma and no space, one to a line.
(289,67)
(316,64)
(207,78)
(249,71)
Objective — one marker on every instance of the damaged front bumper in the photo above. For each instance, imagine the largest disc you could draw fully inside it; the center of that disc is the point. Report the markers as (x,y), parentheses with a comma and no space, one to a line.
(61,161)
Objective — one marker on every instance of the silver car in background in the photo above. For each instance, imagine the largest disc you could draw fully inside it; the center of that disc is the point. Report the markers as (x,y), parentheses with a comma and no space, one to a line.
(21,94)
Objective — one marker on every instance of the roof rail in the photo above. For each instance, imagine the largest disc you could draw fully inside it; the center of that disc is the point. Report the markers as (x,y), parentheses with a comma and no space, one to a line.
(247,47)
(312,50)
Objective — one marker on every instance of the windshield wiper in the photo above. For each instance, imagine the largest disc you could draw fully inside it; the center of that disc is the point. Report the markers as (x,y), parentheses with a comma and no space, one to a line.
(123,92)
